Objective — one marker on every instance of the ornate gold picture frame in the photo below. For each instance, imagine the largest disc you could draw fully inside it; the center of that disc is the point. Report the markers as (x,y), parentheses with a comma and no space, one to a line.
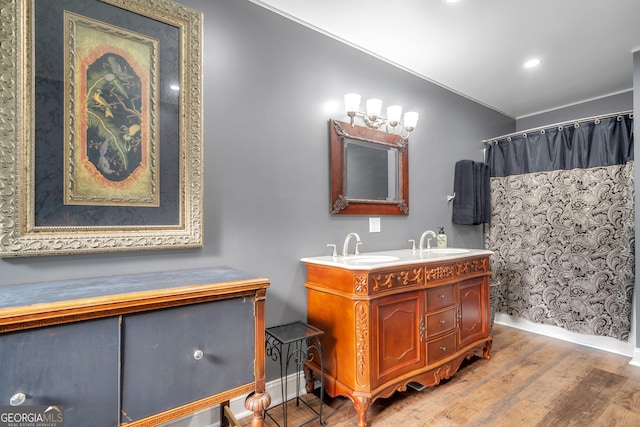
(100,117)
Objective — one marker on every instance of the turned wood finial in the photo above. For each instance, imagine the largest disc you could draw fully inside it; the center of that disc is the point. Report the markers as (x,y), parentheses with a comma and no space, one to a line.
(257,403)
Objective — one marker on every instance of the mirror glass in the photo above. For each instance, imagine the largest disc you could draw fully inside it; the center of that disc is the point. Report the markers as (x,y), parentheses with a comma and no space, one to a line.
(369,171)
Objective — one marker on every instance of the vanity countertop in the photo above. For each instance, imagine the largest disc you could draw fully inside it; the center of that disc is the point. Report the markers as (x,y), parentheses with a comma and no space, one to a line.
(393,258)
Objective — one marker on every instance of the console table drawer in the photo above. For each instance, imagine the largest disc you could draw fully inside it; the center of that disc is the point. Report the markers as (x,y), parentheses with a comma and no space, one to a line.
(74,366)
(180,355)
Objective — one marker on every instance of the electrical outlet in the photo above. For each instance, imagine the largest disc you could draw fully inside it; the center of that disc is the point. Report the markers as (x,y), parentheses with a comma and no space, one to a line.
(374,225)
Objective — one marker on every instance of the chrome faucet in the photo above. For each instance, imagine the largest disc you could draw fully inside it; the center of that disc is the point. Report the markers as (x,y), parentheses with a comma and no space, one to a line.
(345,247)
(424,235)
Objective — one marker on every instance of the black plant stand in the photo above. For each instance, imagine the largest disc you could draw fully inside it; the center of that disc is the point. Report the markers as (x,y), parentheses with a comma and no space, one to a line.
(292,343)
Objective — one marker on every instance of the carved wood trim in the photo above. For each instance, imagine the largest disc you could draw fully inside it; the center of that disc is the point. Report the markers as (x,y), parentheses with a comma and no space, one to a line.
(413,276)
(362,343)
(441,272)
(473,266)
(361,284)
(442,373)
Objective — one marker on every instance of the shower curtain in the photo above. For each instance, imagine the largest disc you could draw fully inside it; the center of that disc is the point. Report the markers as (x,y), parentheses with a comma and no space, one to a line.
(562,225)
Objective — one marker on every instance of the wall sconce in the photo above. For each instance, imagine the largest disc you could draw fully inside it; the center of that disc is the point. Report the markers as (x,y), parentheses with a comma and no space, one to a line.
(373,118)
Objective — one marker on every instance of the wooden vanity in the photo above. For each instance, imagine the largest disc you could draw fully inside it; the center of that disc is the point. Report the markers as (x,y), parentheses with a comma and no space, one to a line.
(136,350)
(389,324)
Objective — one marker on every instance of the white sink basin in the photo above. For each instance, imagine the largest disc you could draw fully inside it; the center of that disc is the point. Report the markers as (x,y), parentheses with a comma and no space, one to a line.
(445,251)
(369,259)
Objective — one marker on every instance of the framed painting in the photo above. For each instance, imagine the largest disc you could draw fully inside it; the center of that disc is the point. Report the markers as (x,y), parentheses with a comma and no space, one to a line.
(100,112)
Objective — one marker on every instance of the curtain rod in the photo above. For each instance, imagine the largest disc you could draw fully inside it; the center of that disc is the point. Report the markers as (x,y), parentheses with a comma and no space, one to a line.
(568,122)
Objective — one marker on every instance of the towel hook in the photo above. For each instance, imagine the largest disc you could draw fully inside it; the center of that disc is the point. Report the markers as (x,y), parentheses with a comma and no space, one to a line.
(450,197)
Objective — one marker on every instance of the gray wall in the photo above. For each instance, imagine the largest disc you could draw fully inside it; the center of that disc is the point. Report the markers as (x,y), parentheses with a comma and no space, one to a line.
(270,87)
(608,104)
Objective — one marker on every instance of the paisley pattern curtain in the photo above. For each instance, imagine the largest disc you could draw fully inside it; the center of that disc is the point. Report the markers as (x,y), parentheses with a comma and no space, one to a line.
(562,226)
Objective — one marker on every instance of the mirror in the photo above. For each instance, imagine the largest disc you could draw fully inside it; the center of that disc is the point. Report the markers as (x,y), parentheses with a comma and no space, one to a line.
(369,171)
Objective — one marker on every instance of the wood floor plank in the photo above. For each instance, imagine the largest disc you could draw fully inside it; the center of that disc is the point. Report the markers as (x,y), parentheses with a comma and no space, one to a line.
(628,396)
(617,416)
(586,401)
(520,413)
(561,377)
(498,392)
(530,381)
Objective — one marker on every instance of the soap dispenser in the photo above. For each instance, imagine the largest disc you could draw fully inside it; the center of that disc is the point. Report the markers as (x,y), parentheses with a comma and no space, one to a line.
(441,239)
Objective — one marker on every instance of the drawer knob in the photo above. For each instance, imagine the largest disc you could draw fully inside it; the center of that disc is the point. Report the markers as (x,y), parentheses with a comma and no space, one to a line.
(17,399)
(198,354)
(442,296)
(443,348)
(443,321)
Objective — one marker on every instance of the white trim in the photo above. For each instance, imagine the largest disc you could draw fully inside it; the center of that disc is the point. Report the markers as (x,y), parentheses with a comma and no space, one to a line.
(602,343)
(635,361)
(274,390)
(210,417)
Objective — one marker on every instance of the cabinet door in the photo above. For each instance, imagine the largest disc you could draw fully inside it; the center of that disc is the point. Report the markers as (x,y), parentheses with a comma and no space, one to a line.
(397,346)
(179,355)
(473,306)
(74,366)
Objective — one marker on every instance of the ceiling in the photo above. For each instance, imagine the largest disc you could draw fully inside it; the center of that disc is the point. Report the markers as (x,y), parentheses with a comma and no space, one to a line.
(477,47)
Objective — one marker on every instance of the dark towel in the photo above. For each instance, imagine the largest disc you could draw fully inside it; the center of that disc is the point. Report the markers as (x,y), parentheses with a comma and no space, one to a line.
(486,196)
(465,200)
(472,204)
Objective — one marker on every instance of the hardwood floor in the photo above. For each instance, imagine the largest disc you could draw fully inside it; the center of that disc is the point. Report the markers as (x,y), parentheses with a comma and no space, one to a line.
(531,380)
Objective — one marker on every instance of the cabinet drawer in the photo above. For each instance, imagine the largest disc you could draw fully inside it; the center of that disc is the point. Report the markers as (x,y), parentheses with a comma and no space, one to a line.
(441,322)
(73,365)
(440,348)
(162,364)
(439,297)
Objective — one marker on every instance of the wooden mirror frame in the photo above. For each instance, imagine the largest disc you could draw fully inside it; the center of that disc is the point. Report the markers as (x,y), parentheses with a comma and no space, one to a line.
(340,203)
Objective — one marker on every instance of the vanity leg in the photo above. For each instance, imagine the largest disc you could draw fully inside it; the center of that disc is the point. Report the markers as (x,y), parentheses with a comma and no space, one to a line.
(309,380)
(361,404)
(486,351)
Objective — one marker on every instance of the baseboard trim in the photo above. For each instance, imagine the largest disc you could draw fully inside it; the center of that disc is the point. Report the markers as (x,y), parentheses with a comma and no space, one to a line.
(635,360)
(210,417)
(602,343)
(275,391)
